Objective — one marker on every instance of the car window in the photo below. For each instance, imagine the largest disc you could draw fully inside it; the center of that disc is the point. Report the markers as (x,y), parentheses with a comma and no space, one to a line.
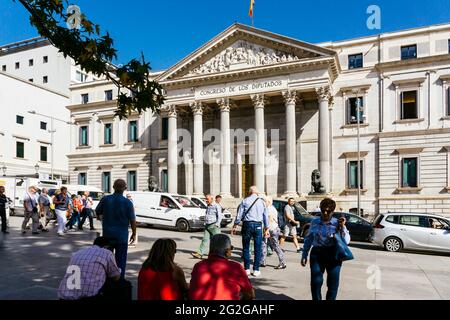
(198,203)
(353,219)
(392,219)
(166,202)
(416,221)
(436,223)
(185,202)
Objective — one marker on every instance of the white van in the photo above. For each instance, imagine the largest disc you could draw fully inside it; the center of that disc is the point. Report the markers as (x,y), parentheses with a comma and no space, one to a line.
(164,209)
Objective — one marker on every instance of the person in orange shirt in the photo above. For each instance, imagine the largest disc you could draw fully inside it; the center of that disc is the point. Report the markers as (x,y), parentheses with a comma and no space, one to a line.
(77,208)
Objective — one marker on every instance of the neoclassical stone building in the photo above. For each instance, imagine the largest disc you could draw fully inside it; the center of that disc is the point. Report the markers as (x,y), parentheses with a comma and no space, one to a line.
(265,109)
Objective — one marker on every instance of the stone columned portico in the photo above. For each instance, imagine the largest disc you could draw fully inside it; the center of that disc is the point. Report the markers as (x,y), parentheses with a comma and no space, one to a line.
(248,82)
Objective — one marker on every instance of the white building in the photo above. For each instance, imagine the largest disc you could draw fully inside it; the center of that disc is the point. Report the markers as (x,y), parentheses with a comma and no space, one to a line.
(300,100)
(35,77)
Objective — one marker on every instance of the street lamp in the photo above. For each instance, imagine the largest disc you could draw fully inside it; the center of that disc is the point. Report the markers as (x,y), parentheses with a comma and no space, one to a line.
(52,132)
(36,167)
(359,109)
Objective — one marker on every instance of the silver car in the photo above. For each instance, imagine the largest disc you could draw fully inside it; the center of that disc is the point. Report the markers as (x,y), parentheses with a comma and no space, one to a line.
(416,231)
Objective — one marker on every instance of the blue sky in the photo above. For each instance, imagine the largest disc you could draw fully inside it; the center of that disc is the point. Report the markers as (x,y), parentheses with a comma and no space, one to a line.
(166,31)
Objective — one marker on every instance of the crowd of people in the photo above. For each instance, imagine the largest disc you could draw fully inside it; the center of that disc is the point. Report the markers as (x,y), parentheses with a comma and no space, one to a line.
(216,277)
(65,211)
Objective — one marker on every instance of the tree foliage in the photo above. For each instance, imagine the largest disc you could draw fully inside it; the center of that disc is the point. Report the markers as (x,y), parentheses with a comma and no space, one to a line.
(94,52)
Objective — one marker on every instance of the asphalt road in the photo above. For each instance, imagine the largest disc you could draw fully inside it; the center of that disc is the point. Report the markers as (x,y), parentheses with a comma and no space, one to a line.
(33,266)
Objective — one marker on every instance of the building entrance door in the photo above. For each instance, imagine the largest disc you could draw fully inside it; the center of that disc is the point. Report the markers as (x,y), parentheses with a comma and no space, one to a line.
(247,175)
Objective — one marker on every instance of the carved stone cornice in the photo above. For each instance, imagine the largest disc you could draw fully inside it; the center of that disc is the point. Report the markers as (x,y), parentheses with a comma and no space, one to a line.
(224,104)
(259,100)
(170,110)
(290,96)
(196,107)
(323,93)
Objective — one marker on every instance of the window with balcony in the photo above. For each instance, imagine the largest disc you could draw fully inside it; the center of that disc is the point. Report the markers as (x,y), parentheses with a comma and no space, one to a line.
(355,109)
(106,182)
(409,105)
(43,153)
(133,131)
(84,136)
(410,173)
(409,52)
(132,181)
(108,137)
(82,178)
(20,150)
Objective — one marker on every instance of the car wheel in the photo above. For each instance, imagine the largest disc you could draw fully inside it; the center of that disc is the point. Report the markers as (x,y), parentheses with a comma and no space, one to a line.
(182,225)
(393,244)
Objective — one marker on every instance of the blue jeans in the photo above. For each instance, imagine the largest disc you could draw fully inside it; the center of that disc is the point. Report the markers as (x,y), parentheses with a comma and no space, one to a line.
(321,260)
(75,218)
(121,254)
(252,230)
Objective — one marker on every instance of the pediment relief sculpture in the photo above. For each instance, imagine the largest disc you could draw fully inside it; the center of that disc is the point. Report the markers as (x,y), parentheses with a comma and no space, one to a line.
(242,54)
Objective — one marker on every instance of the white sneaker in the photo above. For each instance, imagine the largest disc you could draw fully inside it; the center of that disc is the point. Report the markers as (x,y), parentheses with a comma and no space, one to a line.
(61,234)
(248,272)
(256,273)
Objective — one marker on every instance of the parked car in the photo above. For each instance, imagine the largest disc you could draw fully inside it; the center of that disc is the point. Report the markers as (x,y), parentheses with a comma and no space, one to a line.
(164,209)
(360,229)
(201,203)
(300,214)
(416,231)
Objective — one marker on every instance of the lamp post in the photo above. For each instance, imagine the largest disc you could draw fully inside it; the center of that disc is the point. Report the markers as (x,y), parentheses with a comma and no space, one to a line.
(36,167)
(52,132)
(359,109)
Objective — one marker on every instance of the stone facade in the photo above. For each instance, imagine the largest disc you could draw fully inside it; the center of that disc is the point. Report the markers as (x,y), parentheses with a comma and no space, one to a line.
(288,108)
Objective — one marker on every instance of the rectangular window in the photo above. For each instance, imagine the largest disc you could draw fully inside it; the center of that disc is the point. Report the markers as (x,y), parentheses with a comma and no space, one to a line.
(164,180)
(20,150)
(45,79)
(132,181)
(82,178)
(44,153)
(133,131)
(45,59)
(81,77)
(449,46)
(17,65)
(30,62)
(4,68)
(31,80)
(84,136)
(352,170)
(355,61)
(409,52)
(409,105)
(84,98)
(352,110)
(108,95)
(43,125)
(164,128)
(410,173)
(19,119)
(416,221)
(106,182)
(108,133)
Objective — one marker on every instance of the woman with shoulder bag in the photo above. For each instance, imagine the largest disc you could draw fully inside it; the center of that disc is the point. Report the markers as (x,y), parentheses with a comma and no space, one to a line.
(328,238)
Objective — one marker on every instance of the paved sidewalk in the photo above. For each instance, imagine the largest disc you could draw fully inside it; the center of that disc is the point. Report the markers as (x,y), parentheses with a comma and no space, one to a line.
(32,267)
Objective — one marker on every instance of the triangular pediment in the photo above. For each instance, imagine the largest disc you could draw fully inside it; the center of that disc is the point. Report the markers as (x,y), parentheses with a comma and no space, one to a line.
(241,47)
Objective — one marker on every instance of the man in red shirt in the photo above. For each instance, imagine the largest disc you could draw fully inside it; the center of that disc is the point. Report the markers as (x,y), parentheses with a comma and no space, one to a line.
(218,278)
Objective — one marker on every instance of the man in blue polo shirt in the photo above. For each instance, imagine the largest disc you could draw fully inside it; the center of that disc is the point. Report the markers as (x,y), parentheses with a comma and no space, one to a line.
(117,214)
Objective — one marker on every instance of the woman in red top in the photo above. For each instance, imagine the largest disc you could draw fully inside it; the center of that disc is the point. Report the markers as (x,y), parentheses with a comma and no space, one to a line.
(160,278)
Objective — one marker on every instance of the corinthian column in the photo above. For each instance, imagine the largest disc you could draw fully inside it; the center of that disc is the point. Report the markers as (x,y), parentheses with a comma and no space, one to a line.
(172,153)
(197,109)
(323,94)
(225,145)
(290,98)
(259,102)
